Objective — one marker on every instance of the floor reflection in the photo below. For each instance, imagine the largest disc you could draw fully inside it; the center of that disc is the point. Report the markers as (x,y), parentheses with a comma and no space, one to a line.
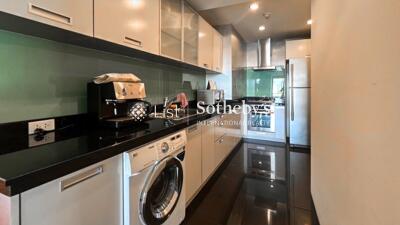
(251,188)
(256,186)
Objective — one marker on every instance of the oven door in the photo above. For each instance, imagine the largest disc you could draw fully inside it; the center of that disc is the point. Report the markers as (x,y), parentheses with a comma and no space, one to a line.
(261,121)
(162,191)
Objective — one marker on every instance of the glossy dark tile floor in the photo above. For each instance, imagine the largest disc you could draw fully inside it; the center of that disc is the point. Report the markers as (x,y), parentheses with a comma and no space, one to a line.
(244,191)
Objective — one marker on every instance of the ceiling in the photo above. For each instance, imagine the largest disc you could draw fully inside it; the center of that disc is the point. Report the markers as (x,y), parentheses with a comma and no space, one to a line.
(288,18)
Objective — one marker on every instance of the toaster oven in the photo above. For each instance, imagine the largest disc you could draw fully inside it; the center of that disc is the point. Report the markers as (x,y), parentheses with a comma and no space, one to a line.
(210,97)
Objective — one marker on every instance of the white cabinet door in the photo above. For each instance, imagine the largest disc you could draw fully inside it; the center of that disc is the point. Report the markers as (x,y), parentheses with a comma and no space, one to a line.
(91,196)
(207,149)
(219,149)
(73,15)
(205,44)
(193,160)
(298,48)
(223,147)
(219,127)
(280,130)
(191,35)
(134,24)
(171,29)
(217,50)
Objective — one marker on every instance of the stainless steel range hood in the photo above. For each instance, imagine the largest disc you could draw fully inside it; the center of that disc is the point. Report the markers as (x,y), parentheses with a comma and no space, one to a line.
(264,55)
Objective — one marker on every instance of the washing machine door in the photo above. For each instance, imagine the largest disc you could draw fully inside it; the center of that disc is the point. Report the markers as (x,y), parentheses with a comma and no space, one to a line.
(162,191)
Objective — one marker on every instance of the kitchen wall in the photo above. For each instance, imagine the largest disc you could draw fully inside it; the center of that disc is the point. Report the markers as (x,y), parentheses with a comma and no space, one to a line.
(259,83)
(233,77)
(355,112)
(42,78)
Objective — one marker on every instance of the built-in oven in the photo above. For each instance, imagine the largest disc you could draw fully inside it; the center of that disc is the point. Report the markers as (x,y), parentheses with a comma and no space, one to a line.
(261,118)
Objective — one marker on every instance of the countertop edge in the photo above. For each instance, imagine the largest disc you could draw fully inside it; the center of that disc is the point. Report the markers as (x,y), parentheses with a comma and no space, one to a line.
(36,178)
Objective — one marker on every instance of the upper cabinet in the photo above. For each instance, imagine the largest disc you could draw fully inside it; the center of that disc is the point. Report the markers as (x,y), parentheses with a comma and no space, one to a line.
(298,48)
(171,29)
(73,15)
(205,44)
(134,24)
(191,35)
(217,50)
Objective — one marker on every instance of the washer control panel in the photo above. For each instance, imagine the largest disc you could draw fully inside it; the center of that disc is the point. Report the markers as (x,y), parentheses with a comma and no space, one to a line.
(169,145)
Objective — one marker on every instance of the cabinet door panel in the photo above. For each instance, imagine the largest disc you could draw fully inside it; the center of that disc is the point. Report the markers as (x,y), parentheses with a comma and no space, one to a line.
(208,152)
(193,160)
(220,149)
(205,44)
(73,15)
(131,23)
(191,35)
(298,48)
(171,28)
(217,50)
(76,198)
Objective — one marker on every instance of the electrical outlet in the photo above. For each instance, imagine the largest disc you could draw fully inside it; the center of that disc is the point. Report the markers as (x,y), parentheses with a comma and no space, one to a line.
(46,139)
(47,125)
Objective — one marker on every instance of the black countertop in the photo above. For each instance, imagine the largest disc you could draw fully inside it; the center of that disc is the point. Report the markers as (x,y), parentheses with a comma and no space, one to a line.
(23,169)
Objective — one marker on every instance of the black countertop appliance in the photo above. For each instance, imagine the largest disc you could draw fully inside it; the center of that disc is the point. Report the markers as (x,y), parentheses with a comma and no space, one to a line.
(117,104)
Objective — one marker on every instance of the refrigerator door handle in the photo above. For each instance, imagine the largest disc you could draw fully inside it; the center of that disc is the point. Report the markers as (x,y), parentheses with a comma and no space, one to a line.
(291,93)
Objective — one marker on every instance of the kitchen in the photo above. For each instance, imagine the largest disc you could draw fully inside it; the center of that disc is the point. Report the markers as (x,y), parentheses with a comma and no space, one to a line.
(196,112)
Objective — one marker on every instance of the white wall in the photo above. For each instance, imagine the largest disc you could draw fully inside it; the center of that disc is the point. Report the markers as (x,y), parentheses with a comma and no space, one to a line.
(355,111)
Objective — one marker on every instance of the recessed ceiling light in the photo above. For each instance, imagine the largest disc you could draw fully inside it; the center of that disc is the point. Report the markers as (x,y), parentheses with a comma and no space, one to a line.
(261,28)
(309,22)
(254,6)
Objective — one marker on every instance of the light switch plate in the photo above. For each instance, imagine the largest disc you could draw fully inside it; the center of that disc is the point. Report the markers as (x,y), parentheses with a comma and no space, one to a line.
(46,125)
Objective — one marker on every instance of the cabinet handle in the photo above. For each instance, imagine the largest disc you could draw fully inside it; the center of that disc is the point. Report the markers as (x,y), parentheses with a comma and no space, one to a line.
(133,41)
(221,140)
(70,182)
(205,65)
(260,147)
(39,11)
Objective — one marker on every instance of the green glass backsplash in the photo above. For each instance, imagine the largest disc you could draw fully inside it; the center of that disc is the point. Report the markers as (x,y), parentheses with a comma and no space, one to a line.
(41,78)
(259,83)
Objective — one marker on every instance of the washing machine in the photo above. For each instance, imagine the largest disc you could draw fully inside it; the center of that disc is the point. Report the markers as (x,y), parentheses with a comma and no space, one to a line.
(154,192)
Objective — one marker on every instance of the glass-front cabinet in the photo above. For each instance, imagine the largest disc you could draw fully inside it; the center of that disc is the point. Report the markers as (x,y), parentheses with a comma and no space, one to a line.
(171,29)
(190,34)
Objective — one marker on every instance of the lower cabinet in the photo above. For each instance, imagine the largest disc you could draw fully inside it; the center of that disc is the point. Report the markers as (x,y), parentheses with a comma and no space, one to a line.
(208,146)
(91,196)
(220,150)
(207,149)
(193,161)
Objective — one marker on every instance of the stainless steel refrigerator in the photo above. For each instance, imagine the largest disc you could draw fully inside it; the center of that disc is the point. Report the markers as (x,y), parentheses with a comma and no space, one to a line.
(298,101)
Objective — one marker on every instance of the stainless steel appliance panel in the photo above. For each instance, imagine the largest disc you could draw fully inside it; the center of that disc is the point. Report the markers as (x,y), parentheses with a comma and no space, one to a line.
(299,116)
(299,72)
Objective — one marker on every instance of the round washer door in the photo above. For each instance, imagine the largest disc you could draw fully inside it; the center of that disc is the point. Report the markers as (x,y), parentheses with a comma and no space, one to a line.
(162,191)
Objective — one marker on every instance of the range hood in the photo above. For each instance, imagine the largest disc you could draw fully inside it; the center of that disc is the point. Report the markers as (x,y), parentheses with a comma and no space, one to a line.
(264,55)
